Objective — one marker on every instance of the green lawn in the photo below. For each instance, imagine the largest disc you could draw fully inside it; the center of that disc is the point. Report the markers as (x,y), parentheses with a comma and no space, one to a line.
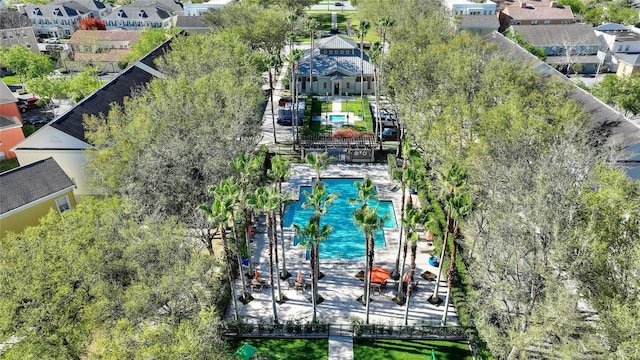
(289,349)
(324,18)
(409,350)
(11,80)
(355,106)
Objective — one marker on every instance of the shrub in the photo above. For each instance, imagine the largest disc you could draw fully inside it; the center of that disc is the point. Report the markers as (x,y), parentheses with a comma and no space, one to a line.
(347,133)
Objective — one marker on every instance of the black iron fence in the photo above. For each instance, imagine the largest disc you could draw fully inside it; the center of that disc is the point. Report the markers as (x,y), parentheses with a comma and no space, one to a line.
(298,329)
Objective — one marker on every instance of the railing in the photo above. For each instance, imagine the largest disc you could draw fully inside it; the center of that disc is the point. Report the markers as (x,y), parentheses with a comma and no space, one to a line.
(298,329)
(329,141)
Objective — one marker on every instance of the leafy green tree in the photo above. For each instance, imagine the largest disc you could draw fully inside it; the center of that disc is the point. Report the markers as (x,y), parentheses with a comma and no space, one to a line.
(25,63)
(81,85)
(148,40)
(47,89)
(319,162)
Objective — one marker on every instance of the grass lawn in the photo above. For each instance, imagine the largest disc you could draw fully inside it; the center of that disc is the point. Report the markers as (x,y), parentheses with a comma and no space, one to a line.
(324,19)
(409,349)
(355,106)
(290,349)
(11,80)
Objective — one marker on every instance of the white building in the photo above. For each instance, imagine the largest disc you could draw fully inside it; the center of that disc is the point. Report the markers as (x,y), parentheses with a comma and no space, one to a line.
(466,7)
(191,9)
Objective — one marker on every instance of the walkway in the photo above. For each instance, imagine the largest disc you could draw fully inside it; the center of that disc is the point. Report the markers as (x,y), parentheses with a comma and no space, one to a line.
(340,348)
(336,106)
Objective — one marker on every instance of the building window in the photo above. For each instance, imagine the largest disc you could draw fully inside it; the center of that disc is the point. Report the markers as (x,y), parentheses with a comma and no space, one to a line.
(348,85)
(515,23)
(547,22)
(534,22)
(324,85)
(63,204)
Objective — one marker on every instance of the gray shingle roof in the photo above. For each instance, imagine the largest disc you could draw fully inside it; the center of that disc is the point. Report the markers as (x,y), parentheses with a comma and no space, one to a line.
(476,21)
(114,91)
(187,22)
(633,60)
(147,13)
(48,10)
(557,35)
(336,42)
(608,127)
(324,65)
(29,183)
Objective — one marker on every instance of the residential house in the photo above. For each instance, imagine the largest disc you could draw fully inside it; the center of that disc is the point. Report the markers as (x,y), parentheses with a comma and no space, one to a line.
(170,6)
(19,36)
(479,24)
(628,64)
(29,192)
(466,7)
(57,20)
(336,68)
(615,41)
(534,12)
(133,17)
(64,137)
(103,49)
(10,123)
(568,47)
(96,8)
(608,129)
(191,9)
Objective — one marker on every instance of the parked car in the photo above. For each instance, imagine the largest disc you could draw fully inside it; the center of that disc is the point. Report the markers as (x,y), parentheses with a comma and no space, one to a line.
(337,4)
(287,121)
(38,120)
(30,103)
(388,134)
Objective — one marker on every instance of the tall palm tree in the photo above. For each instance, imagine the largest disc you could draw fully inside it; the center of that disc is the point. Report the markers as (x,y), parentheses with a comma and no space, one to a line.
(281,171)
(407,176)
(230,191)
(266,199)
(452,180)
(219,214)
(375,56)
(311,235)
(369,223)
(312,27)
(363,29)
(294,59)
(384,23)
(412,237)
(245,169)
(270,61)
(319,162)
(460,207)
(319,200)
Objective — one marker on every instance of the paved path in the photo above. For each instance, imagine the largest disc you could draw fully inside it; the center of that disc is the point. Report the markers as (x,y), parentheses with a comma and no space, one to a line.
(340,348)
(336,106)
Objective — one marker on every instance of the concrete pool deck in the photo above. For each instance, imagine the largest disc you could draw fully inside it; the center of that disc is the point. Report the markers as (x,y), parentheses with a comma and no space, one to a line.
(340,288)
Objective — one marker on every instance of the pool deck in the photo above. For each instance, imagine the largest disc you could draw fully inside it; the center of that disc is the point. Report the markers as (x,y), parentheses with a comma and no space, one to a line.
(340,288)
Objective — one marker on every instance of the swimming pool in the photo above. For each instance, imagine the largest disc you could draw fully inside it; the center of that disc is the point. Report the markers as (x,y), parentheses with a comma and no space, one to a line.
(337,118)
(346,242)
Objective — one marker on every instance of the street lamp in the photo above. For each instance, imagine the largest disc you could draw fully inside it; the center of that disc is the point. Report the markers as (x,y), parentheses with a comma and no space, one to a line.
(327,106)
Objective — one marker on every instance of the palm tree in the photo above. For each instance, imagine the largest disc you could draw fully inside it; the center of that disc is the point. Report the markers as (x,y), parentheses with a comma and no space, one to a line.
(312,27)
(384,23)
(230,191)
(267,200)
(280,171)
(413,218)
(369,223)
(362,32)
(319,162)
(375,55)
(219,213)
(270,61)
(406,175)
(460,206)
(294,58)
(245,169)
(454,179)
(318,200)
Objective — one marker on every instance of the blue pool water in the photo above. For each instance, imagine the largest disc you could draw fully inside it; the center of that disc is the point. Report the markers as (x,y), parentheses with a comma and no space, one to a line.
(346,241)
(338,118)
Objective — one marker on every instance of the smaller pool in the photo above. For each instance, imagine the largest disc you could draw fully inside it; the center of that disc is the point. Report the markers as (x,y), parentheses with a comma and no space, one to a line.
(337,118)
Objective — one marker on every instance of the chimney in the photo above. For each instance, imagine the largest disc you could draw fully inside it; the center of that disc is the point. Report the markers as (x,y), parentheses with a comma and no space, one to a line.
(523,5)
(553,4)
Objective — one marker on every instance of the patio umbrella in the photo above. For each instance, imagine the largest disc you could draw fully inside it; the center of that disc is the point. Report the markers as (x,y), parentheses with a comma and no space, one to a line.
(379,274)
(246,351)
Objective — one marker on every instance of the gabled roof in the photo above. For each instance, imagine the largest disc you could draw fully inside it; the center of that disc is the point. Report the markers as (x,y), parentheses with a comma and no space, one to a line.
(633,60)
(479,21)
(6,96)
(612,27)
(123,85)
(324,65)
(336,42)
(187,22)
(608,127)
(167,5)
(26,184)
(148,13)
(557,35)
(537,10)
(52,10)
(90,5)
